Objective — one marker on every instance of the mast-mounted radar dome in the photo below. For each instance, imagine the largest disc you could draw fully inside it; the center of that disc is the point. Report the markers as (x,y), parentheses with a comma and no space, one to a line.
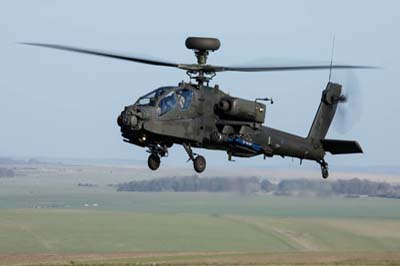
(201,46)
(200,43)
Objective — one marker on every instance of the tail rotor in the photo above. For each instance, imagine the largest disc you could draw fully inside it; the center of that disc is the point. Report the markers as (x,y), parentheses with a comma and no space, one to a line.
(349,107)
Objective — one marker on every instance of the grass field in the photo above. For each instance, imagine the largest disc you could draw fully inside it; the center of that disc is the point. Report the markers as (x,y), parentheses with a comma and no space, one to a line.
(48,220)
(60,231)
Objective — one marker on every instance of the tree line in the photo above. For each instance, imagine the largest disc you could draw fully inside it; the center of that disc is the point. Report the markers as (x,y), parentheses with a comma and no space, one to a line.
(194,184)
(6,172)
(254,184)
(352,187)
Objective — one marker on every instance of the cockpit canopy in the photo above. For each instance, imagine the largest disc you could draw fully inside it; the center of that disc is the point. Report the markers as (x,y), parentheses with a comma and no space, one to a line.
(151,97)
(166,99)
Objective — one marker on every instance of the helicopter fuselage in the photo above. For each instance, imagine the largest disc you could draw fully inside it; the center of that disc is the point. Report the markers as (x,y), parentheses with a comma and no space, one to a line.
(206,117)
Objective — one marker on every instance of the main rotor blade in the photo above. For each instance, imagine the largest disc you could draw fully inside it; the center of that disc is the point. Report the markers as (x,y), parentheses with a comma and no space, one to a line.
(292,68)
(194,67)
(155,62)
(270,68)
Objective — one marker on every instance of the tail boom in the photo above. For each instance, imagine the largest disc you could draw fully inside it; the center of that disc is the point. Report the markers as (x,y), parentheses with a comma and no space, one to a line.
(326,112)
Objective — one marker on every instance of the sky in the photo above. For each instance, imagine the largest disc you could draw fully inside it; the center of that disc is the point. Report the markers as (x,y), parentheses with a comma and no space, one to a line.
(60,104)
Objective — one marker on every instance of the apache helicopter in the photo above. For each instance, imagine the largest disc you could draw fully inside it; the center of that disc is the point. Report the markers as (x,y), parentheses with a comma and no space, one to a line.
(197,115)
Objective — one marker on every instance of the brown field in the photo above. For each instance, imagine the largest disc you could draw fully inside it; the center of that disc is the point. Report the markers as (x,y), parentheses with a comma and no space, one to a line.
(207,258)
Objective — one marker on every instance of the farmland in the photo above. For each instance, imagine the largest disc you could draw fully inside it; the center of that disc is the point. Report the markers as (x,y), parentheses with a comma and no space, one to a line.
(45,217)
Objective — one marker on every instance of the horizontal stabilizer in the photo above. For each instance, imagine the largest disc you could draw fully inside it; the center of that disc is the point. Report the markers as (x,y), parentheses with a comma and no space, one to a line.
(341,146)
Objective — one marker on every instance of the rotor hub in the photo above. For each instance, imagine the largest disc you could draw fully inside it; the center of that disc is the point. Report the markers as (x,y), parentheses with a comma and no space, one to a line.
(201,47)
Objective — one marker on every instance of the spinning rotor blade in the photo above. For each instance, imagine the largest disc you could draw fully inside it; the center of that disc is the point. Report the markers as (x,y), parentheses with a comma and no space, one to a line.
(155,62)
(270,68)
(349,108)
(195,67)
(292,68)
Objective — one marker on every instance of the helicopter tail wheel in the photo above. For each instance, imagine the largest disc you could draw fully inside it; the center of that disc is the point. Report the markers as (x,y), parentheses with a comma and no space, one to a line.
(324,169)
(325,172)
(154,162)
(199,164)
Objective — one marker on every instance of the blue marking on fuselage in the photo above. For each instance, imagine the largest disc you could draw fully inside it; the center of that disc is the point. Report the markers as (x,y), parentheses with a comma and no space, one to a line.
(245,143)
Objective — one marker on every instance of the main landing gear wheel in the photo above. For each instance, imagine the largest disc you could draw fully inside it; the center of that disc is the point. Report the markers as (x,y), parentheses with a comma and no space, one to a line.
(153,162)
(199,164)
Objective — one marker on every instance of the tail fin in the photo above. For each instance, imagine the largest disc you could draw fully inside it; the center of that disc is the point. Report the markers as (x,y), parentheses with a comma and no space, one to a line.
(341,146)
(326,112)
(323,119)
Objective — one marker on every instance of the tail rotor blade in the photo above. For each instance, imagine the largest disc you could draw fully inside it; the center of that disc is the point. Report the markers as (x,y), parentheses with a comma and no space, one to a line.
(350,104)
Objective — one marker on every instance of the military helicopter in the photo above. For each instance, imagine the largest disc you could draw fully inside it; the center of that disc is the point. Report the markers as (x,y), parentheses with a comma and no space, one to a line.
(196,115)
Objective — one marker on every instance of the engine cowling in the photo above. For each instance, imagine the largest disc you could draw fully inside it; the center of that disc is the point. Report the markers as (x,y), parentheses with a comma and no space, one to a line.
(241,109)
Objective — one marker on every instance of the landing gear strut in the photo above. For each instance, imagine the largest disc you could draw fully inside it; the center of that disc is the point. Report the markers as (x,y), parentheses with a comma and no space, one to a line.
(324,168)
(199,162)
(156,153)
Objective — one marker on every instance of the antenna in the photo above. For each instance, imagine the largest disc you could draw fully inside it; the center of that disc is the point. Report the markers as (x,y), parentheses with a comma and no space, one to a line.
(330,66)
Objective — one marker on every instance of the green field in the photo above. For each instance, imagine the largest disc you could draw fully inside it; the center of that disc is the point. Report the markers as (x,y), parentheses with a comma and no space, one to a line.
(48,219)
(61,231)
